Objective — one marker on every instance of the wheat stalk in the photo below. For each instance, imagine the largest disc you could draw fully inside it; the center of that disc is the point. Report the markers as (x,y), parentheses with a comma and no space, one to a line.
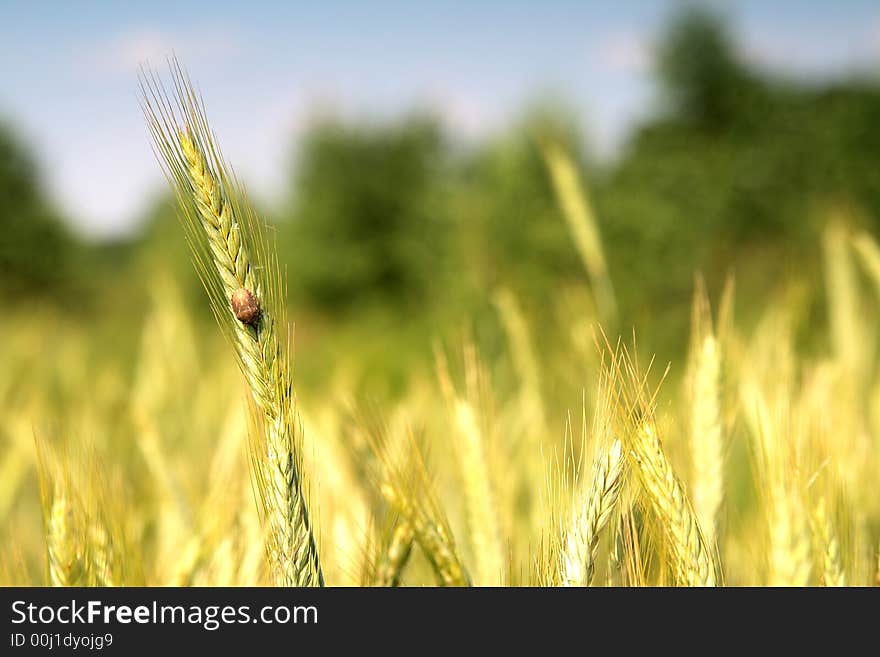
(524,359)
(846,318)
(625,567)
(241,275)
(395,556)
(706,441)
(778,459)
(694,562)
(829,548)
(433,536)
(407,489)
(581,219)
(104,519)
(479,497)
(396,468)
(65,560)
(104,556)
(877,574)
(591,516)
(472,457)
(790,563)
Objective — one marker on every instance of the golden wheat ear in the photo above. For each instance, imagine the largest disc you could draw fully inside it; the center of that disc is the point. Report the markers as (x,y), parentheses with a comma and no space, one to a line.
(67,559)
(393,554)
(405,484)
(578,212)
(239,269)
(694,562)
(706,435)
(467,413)
(591,515)
(582,502)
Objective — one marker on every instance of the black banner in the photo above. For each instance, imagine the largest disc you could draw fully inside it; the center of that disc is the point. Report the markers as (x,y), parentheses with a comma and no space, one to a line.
(263,620)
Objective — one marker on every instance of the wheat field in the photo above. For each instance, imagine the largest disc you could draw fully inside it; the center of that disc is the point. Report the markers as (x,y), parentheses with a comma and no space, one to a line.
(194,458)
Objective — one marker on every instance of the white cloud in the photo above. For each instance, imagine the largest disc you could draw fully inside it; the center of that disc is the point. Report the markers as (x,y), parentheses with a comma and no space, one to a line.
(124,52)
(624,52)
(464,113)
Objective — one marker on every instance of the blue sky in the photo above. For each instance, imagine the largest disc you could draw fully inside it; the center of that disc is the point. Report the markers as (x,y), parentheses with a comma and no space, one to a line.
(68,74)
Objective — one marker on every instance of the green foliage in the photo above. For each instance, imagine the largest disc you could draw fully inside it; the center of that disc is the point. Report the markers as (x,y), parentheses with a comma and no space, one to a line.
(700,71)
(398,223)
(509,223)
(36,251)
(732,178)
(368,221)
(160,249)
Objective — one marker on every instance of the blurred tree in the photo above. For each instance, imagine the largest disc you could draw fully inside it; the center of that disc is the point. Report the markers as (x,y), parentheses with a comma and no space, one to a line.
(509,223)
(369,213)
(700,72)
(727,175)
(37,253)
(161,253)
(731,175)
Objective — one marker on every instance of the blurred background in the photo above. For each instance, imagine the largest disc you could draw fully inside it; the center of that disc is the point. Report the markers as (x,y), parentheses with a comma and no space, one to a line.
(394,148)
(501,174)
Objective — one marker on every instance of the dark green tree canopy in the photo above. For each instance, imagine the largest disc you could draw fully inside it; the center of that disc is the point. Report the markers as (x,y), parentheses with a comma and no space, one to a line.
(36,249)
(367,212)
(734,177)
(700,71)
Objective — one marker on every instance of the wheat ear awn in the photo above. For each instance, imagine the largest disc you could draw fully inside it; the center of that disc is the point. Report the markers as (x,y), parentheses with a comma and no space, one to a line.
(694,562)
(582,541)
(241,275)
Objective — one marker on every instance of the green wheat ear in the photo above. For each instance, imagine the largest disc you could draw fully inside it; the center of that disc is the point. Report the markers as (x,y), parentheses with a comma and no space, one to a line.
(240,272)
